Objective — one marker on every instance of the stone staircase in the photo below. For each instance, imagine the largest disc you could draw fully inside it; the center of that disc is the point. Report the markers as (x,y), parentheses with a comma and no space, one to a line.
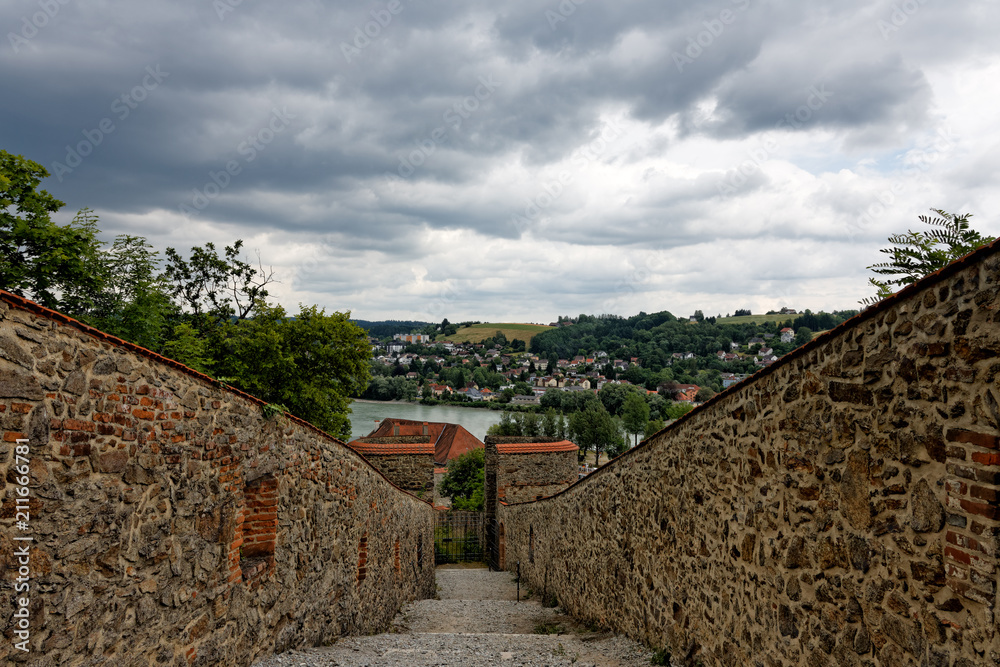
(475,621)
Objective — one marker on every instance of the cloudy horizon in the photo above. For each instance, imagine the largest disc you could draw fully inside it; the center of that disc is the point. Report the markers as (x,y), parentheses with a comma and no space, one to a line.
(516,161)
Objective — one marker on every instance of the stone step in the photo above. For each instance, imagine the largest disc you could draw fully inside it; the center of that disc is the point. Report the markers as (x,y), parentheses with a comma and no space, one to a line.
(447,649)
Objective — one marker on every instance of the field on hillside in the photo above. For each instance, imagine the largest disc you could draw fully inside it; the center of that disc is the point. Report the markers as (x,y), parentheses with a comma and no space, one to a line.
(756,319)
(480,332)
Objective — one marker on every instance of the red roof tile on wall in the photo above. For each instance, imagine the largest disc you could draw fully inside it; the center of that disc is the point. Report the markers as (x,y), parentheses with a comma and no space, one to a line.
(535,447)
(383,449)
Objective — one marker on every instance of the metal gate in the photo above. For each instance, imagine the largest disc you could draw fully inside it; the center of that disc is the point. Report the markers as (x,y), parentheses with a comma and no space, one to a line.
(459,537)
(496,545)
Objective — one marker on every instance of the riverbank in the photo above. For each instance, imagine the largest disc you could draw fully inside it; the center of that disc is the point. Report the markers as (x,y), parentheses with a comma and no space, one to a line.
(478,405)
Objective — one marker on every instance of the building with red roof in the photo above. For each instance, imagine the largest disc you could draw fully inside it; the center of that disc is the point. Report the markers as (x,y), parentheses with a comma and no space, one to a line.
(408,451)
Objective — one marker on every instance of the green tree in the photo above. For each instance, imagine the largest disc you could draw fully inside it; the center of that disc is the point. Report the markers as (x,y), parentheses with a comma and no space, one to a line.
(506,426)
(464,481)
(652,428)
(134,304)
(222,287)
(550,423)
(592,428)
(187,347)
(552,398)
(704,394)
(657,405)
(531,424)
(523,389)
(678,410)
(917,254)
(55,265)
(635,414)
(803,335)
(313,363)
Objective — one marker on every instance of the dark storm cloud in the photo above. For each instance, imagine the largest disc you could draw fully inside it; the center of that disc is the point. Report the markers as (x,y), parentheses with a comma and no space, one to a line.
(405,122)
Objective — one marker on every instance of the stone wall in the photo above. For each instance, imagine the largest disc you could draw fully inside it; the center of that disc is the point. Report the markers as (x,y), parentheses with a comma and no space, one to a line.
(519,469)
(406,460)
(172,523)
(838,508)
(529,475)
(413,472)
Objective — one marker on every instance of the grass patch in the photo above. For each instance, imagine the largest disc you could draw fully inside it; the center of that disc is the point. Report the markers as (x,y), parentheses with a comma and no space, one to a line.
(660,657)
(592,627)
(548,629)
(480,332)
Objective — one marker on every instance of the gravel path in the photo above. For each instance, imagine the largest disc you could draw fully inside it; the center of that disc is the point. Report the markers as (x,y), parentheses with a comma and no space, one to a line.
(476,621)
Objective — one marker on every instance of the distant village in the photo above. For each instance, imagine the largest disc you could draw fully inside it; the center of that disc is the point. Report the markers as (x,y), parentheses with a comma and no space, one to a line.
(578,374)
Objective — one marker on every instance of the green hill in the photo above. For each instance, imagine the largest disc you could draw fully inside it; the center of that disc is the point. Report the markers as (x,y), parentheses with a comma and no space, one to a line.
(755,319)
(479,332)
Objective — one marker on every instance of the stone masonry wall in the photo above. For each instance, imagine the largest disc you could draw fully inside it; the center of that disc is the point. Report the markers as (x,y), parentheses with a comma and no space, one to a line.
(412,472)
(838,508)
(523,477)
(171,523)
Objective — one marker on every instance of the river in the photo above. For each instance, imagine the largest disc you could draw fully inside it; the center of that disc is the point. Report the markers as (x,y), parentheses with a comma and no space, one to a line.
(364,414)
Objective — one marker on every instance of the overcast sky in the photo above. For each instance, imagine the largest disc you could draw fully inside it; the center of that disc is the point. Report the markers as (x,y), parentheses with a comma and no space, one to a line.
(514,161)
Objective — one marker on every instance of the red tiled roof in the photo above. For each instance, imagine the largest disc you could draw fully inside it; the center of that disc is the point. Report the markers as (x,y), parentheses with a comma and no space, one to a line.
(453,442)
(448,440)
(406,427)
(535,447)
(386,449)
(440,471)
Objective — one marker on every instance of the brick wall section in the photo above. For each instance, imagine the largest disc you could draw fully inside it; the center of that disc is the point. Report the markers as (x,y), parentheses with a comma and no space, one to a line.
(173,524)
(838,508)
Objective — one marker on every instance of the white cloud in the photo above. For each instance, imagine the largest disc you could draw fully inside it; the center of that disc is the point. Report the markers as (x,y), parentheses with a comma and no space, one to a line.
(693,198)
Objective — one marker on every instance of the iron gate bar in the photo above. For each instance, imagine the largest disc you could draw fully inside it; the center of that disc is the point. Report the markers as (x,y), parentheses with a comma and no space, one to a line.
(459,537)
